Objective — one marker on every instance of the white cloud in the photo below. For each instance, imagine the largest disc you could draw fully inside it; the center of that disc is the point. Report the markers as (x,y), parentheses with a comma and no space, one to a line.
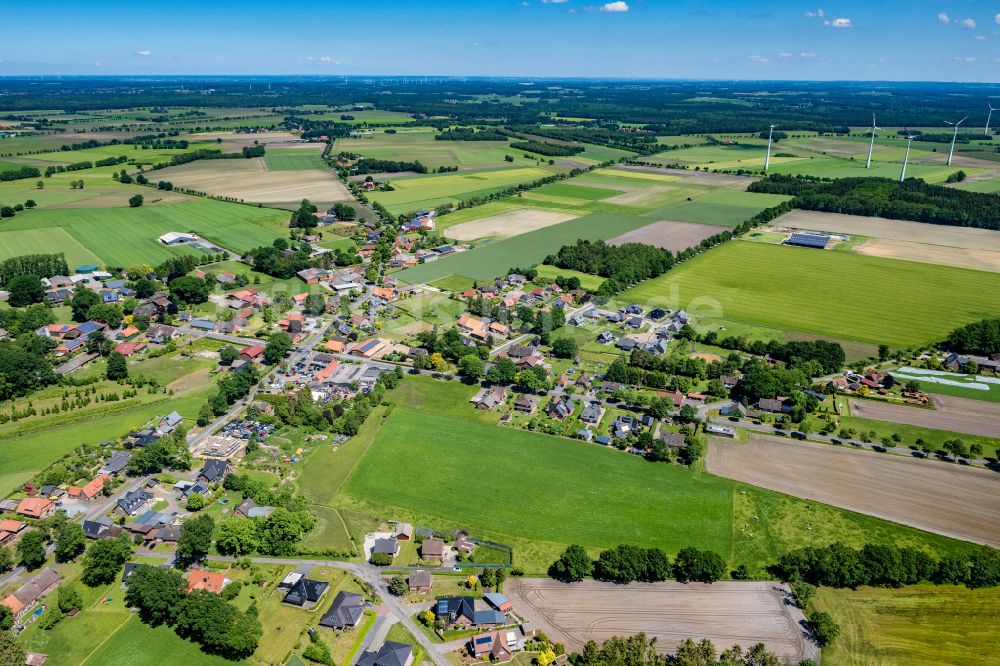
(839,23)
(997,18)
(144,53)
(615,7)
(784,55)
(759,58)
(964,59)
(807,54)
(325,58)
(980,38)
(818,12)
(943,18)
(968,24)
(553,2)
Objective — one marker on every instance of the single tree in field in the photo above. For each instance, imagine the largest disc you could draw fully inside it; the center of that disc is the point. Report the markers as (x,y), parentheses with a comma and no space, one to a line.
(135,201)
(117,367)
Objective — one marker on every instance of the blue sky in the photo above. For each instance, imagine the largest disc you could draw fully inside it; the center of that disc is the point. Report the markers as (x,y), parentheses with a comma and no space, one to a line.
(936,40)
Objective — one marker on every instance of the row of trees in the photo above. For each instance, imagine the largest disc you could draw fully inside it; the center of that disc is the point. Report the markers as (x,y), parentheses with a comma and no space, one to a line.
(912,199)
(546,148)
(627,563)
(639,650)
(887,565)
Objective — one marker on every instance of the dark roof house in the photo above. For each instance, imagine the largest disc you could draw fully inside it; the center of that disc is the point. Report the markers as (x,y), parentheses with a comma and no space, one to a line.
(345,611)
(305,591)
(390,654)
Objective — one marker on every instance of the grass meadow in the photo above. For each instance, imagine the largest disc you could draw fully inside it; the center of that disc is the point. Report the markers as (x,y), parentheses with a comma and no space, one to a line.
(452,466)
(433,190)
(127,236)
(919,625)
(835,294)
(493,259)
(294,160)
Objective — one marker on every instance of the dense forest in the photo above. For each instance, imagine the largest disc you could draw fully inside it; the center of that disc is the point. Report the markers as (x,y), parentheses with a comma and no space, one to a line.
(912,199)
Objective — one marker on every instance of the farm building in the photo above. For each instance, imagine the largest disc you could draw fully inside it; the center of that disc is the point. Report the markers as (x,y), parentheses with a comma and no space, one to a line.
(177,238)
(808,240)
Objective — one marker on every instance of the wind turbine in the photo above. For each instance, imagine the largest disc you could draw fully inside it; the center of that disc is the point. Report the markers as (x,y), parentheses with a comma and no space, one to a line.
(767,158)
(988,116)
(906,158)
(871,146)
(954,136)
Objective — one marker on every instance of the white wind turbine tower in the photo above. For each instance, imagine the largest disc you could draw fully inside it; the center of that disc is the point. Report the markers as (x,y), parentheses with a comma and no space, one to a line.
(988,116)
(767,158)
(954,136)
(871,146)
(906,158)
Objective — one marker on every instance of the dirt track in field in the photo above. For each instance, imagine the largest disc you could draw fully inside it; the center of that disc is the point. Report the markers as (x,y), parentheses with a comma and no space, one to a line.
(248,180)
(956,501)
(507,225)
(898,230)
(974,417)
(669,235)
(726,613)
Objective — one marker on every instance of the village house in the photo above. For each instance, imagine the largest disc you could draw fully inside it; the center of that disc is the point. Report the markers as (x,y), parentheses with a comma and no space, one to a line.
(772,405)
(345,611)
(252,354)
(305,592)
(91,490)
(390,654)
(488,399)
(497,646)
(420,581)
(386,547)
(25,597)
(214,471)
(432,550)
(212,581)
(461,612)
(11,531)
(36,507)
(525,404)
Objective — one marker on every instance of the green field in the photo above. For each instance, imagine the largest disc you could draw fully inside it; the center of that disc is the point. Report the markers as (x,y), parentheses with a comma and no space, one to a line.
(989,185)
(127,236)
(836,294)
(433,190)
(450,465)
(139,644)
(726,208)
(494,259)
(587,281)
(294,160)
(21,456)
(419,144)
(919,625)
